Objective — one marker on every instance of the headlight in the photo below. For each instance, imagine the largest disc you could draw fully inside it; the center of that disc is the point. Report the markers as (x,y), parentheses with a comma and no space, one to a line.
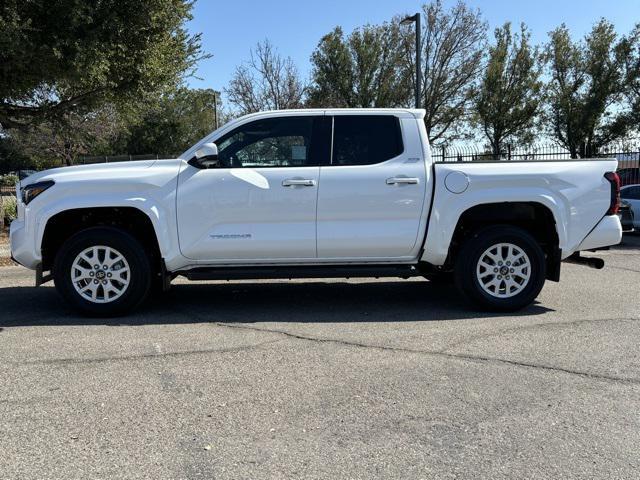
(32,191)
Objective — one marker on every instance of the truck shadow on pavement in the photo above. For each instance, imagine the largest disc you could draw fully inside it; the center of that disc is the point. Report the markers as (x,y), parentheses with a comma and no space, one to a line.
(252,302)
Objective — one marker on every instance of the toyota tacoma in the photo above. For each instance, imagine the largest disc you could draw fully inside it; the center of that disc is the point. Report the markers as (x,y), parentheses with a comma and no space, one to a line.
(313,194)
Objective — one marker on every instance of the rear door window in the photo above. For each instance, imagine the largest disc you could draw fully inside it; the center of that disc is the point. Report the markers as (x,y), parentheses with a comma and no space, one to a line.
(365,139)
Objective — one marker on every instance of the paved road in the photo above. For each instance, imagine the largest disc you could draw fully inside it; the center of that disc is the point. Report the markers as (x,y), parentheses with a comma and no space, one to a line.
(333,379)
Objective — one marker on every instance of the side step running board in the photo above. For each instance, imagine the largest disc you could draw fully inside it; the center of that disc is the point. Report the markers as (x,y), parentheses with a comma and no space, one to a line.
(270,272)
(592,262)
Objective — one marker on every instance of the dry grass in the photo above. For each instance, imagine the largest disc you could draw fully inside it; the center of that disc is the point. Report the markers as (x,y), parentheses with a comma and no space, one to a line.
(7,262)
(4,241)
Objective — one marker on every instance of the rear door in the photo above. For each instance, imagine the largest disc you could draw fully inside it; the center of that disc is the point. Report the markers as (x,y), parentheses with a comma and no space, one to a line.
(372,194)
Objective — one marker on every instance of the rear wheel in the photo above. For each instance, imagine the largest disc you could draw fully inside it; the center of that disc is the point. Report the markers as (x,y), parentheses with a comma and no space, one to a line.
(102,271)
(501,268)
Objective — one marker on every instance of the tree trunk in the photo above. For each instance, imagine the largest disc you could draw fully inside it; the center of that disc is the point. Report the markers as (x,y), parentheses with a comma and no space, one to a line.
(583,150)
(573,151)
(496,147)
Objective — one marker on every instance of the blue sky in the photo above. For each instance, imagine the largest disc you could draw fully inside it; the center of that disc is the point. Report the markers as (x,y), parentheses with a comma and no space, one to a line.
(231,28)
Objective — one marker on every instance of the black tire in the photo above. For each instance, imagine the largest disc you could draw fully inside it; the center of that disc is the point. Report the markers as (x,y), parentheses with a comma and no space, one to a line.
(139,278)
(467,277)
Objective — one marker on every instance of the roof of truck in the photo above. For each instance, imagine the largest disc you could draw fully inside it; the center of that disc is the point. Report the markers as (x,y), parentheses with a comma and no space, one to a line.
(418,113)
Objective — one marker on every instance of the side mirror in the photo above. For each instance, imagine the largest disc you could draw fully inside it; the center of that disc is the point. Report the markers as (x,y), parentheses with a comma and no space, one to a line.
(206,156)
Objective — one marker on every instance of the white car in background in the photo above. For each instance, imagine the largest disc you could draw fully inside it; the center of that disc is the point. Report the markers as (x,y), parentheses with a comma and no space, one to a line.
(631,195)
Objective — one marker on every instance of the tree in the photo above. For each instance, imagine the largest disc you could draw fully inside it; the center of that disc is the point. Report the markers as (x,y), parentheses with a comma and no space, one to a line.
(59,141)
(507,99)
(11,158)
(167,125)
(69,55)
(451,55)
(584,88)
(267,81)
(173,123)
(365,70)
(630,51)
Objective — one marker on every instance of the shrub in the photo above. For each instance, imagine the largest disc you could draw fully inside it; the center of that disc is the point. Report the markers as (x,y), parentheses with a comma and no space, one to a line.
(8,180)
(9,208)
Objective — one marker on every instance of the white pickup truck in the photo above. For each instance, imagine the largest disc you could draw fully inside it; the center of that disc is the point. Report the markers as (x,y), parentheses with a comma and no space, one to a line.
(313,194)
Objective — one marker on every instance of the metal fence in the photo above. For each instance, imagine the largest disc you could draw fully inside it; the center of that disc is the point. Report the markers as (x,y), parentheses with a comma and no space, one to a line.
(627,154)
(121,158)
(629,151)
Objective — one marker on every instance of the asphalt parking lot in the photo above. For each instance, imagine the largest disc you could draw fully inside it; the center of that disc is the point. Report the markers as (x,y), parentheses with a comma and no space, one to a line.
(325,379)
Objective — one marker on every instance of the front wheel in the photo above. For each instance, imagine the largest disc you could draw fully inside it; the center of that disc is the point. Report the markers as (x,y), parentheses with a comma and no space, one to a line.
(102,271)
(501,268)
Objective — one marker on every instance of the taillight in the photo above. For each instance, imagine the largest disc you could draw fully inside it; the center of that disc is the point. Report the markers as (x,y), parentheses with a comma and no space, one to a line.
(614,180)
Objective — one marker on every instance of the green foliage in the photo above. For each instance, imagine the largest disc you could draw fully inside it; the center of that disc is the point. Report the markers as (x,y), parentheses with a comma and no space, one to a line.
(61,56)
(59,141)
(332,74)
(585,86)
(9,180)
(9,208)
(166,125)
(364,70)
(173,122)
(374,66)
(630,52)
(507,99)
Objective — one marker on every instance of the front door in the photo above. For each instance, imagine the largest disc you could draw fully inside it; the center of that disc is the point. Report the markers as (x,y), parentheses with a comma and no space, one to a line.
(258,203)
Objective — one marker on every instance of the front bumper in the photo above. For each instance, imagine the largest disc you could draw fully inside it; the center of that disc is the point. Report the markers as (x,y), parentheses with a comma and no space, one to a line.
(606,233)
(22,245)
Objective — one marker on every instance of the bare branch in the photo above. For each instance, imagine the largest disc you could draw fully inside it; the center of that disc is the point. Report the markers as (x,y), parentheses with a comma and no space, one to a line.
(267,81)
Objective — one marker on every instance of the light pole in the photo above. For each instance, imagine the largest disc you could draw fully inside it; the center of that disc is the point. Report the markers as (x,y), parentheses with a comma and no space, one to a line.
(416,19)
(215,108)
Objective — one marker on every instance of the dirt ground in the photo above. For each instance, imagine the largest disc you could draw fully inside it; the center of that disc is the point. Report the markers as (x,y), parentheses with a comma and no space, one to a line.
(5,252)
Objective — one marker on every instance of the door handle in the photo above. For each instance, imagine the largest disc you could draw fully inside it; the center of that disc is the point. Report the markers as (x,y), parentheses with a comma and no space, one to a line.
(295,182)
(403,181)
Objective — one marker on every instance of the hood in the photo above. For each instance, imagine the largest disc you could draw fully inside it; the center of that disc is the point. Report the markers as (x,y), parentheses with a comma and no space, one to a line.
(95,171)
